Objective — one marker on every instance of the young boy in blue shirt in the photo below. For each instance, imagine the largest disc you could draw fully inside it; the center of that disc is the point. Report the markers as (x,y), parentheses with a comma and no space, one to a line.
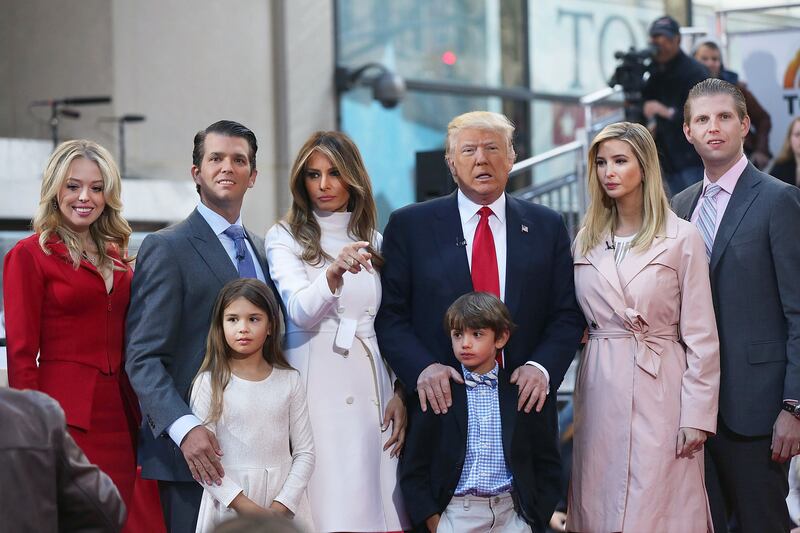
(483,465)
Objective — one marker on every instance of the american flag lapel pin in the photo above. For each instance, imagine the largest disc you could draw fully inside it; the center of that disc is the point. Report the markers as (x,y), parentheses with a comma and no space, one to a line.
(524,228)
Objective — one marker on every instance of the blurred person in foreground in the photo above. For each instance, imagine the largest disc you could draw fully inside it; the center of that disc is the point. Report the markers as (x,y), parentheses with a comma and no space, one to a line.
(748,221)
(647,387)
(756,144)
(48,483)
(258,524)
(672,74)
(787,164)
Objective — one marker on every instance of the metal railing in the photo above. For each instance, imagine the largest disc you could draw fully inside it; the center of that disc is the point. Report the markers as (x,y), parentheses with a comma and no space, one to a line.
(567,193)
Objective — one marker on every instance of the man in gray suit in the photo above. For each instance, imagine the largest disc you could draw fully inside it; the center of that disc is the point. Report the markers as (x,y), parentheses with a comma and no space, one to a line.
(179,271)
(749,222)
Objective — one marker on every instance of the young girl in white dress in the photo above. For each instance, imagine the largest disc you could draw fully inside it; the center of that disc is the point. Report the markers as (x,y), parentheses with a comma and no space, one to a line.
(253,401)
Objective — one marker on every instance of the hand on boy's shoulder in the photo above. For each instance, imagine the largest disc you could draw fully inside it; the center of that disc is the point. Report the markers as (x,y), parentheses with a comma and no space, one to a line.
(433,386)
(532,385)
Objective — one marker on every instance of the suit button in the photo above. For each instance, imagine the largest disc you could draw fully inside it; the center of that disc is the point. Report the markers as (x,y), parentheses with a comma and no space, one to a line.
(340,310)
(594,325)
(371,311)
(349,400)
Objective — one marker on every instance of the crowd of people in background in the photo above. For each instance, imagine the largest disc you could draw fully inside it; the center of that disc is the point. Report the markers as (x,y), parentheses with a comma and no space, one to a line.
(345,380)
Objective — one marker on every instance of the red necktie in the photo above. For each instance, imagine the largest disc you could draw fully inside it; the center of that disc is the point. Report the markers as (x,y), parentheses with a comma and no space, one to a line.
(485,276)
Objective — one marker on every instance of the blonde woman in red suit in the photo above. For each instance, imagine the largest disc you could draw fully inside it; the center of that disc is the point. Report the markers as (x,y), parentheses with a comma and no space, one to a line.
(66,292)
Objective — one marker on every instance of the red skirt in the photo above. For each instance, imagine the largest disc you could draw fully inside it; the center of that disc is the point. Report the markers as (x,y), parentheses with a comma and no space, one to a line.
(110,443)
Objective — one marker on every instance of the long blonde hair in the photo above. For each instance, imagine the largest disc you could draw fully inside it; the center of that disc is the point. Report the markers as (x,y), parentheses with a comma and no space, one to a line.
(344,155)
(786,154)
(601,214)
(216,361)
(109,230)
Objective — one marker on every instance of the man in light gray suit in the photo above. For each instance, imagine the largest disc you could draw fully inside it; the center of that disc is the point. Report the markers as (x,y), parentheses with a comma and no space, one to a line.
(179,271)
(749,222)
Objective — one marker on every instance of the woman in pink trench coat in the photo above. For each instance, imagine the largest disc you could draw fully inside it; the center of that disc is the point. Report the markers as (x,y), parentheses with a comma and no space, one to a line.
(647,387)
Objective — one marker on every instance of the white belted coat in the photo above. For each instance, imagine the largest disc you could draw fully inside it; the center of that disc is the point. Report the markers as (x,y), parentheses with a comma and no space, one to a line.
(330,339)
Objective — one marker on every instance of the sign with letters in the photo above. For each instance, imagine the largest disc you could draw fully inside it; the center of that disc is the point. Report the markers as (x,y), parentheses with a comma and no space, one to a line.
(769,63)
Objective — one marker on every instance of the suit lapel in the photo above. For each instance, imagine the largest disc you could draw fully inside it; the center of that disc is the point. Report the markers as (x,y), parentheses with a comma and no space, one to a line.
(692,197)
(449,238)
(258,247)
(209,249)
(507,395)
(459,407)
(517,250)
(743,195)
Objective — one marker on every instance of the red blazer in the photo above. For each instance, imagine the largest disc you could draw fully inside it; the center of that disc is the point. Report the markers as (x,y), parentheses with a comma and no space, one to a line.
(64,315)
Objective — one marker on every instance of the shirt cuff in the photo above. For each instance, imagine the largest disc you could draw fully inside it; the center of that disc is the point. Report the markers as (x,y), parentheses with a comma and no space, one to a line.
(544,371)
(178,429)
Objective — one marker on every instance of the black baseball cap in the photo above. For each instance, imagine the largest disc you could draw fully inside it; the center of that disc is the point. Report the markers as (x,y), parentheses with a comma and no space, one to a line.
(665,25)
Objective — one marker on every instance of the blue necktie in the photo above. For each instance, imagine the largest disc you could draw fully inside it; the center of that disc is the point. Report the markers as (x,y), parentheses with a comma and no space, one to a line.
(707,219)
(245,265)
(489,379)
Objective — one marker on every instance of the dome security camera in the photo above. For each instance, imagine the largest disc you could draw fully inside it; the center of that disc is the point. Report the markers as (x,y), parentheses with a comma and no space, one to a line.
(389,89)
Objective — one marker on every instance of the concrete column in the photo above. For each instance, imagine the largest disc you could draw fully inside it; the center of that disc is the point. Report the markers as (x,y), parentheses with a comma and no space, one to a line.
(304,92)
(186,64)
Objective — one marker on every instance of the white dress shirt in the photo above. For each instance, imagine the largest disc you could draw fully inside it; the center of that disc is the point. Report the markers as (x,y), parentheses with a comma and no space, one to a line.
(468,211)
(177,430)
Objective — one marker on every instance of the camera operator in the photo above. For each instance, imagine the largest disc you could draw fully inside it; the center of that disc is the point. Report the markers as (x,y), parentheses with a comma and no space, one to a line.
(672,75)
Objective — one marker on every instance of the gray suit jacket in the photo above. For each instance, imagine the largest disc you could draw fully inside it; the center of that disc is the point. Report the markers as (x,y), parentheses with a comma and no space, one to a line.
(179,272)
(756,290)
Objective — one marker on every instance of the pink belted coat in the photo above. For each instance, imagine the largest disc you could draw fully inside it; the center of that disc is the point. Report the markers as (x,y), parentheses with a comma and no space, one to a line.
(650,367)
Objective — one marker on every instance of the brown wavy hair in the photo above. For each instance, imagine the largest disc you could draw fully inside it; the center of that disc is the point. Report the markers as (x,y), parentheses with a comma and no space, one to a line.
(300,221)
(216,360)
(110,230)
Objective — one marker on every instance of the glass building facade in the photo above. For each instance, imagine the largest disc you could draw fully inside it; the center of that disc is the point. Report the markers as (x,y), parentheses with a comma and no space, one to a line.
(552,51)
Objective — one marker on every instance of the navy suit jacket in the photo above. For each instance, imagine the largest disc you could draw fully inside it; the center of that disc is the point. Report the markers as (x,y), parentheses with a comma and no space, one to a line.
(426,269)
(179,272)
(436,447)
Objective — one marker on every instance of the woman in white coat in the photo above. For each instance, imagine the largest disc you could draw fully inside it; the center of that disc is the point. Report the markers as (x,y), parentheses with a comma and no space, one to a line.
(324,260)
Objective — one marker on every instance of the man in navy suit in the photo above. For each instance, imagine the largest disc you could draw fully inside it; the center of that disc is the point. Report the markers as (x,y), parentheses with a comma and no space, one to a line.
(179,271)
(478,238)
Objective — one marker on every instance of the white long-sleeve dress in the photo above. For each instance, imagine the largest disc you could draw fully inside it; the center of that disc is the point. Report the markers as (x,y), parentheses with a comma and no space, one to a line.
(265,434)
(330,339)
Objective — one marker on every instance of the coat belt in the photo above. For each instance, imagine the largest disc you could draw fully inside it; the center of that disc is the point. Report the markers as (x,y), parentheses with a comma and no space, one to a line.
(650,343)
